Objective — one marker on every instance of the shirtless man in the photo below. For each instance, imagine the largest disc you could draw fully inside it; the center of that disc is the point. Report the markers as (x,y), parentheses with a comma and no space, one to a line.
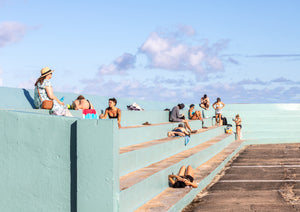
(178,131)
(204,102)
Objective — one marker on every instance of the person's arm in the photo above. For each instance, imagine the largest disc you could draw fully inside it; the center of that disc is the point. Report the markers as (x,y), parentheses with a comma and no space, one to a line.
(214,105)
(51,95)
(223,105)
(104,116)
(119,117)
(172,181)
(188,183)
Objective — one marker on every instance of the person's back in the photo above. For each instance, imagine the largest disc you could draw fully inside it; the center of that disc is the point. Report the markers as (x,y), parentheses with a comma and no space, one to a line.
(175,115)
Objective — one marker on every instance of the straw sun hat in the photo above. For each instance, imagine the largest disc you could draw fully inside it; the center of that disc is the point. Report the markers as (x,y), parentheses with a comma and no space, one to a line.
(45,71)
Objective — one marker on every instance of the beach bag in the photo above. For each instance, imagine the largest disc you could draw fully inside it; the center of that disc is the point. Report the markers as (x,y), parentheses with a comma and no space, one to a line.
(229,129)
(134,107)
(224,120)
(47,104)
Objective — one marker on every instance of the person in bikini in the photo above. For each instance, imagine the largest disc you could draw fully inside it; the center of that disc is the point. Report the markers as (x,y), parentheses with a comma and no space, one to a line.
(238,122)
(178,131)
(112,111)
(194,115)
(218,106)
(82,103)
(184,178)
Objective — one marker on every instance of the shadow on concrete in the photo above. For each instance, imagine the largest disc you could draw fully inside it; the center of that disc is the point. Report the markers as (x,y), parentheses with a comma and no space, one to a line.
(73,168)
(29,98)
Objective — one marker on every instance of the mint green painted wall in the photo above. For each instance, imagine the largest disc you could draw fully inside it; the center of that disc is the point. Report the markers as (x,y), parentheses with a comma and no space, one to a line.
(35,162)
(97,165)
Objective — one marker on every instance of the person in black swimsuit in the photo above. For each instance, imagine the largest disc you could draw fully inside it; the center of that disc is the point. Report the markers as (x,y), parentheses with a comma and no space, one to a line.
(238,122)
(112,111)
(184,178)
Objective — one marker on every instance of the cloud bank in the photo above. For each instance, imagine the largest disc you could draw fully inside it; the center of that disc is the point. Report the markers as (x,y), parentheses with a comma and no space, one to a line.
(11,32)
(182,52)
(172,54)
(119,66)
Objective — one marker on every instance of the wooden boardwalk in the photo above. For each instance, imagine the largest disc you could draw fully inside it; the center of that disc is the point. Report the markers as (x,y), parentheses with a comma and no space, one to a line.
(261,178)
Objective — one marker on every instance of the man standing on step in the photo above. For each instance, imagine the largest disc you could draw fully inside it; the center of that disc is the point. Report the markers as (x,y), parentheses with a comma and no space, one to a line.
(175,116)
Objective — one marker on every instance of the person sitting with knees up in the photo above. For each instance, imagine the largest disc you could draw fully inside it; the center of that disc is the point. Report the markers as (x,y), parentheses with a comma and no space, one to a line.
(112,111)
(82,103)
(204,102)
(184,178)
(178,131)
(175,116)
(194,115)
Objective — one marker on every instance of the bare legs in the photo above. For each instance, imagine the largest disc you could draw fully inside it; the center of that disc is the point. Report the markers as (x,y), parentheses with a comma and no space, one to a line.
(218,118)
(187,125)
(238,132)
(197,116)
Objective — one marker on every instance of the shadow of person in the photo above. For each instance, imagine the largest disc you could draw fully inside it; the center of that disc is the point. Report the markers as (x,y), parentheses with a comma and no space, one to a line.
(29,98)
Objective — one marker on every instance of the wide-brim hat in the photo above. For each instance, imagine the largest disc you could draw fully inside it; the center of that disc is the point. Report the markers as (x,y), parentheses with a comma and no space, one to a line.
(45,71)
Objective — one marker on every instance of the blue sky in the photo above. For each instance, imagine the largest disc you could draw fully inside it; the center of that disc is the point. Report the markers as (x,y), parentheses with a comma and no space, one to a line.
(241,51)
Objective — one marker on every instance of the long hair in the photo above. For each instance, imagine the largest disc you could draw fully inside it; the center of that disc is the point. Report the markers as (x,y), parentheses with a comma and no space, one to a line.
(40,80)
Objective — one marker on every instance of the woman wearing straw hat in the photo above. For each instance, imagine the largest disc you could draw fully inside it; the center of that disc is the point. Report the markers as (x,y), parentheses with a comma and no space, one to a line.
(43,91)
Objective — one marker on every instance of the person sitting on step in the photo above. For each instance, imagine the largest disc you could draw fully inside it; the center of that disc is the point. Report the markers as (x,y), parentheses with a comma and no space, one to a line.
(175,116)
(112,111)
(184,178)
(194,115)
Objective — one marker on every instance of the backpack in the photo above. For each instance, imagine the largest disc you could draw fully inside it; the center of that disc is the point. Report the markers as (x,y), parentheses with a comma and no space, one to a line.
(224,119)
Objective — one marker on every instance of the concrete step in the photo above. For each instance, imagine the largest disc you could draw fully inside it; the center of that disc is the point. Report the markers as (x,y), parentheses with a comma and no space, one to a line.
(141,155)
(142,185)
(175,199)
(143,133)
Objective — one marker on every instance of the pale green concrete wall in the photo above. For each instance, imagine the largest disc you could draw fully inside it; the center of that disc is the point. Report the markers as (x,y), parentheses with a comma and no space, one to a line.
(97,165)
(35,162)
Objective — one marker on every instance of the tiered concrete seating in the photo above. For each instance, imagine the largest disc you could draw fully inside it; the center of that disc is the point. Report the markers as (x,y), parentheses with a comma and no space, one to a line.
(147,157)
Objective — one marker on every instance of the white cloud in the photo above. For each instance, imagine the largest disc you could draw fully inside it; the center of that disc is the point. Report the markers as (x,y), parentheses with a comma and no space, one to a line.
(171,53)
(11,32)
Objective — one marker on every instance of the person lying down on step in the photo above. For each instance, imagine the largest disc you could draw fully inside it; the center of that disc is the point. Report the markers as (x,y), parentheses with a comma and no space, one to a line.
(184,178)
(178,131)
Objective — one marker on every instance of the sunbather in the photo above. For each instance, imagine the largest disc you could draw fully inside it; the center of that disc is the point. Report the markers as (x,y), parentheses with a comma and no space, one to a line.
(44,91)
(238,122)
(178,131)
(112,111)
(82,103)
(194,115)
(184,178)
(175,116)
